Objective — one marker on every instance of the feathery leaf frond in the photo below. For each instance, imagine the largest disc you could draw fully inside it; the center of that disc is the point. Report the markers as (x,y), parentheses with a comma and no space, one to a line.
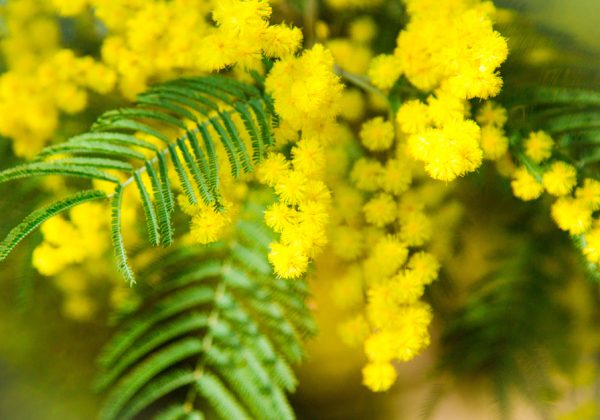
(119,149)
(215,326)
(39,216)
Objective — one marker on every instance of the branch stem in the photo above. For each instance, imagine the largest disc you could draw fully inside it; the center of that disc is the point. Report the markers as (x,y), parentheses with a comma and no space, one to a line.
(359,81)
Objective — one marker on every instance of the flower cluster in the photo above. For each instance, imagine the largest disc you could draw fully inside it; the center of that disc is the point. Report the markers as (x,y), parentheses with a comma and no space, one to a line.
(73,249)
(305,92)
(139,30)
(449,48)
(449,51)
(147,41)
(494,143)
(388,269)
(576,201)
(79,286)
(378,227)
(44,80)
(208,223)
(451,45)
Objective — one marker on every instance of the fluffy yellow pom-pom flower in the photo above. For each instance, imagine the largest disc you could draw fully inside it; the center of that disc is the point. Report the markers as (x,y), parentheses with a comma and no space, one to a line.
(380,347)
(538,146)
(305,89)
(272,169)
(241,16)
(493,142)
(289,261)
(386,257)
(380,210)
(281,40)
(363,29)
(395,177)
(366,173)
(208,224)
(491,114)
(352,105)
(49,260)
(449,152)
(280,216)
(407,287)
(377,134)
(412,328)
(379,377)
(560,178)
(412,116)
(347,243)
(424,266)
(415,228)
(572,215)
(589,193)
(291,187)
(591,250)
(525,186)
(444,108)
(384,70)
(309,158)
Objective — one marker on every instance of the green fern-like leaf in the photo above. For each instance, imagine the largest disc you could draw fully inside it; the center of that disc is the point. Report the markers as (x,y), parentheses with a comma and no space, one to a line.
(572,117)
(39,216)
(52,168)
(113,144)
(117,237)
(214,337)
(151,221)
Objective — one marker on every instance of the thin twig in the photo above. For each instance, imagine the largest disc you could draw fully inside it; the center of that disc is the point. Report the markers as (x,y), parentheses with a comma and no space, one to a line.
(359,81)
(311,11)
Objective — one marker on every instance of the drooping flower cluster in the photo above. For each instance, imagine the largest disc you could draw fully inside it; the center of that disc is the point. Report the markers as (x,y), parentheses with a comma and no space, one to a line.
(451,45)
(577,199)
(306,93)
(301,213)
(450,48)
(453,60)
(378,226)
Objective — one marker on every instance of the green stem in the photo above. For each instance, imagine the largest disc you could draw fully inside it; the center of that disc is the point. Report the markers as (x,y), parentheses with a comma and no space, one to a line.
(311,11)
(359,81)
(207,343)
